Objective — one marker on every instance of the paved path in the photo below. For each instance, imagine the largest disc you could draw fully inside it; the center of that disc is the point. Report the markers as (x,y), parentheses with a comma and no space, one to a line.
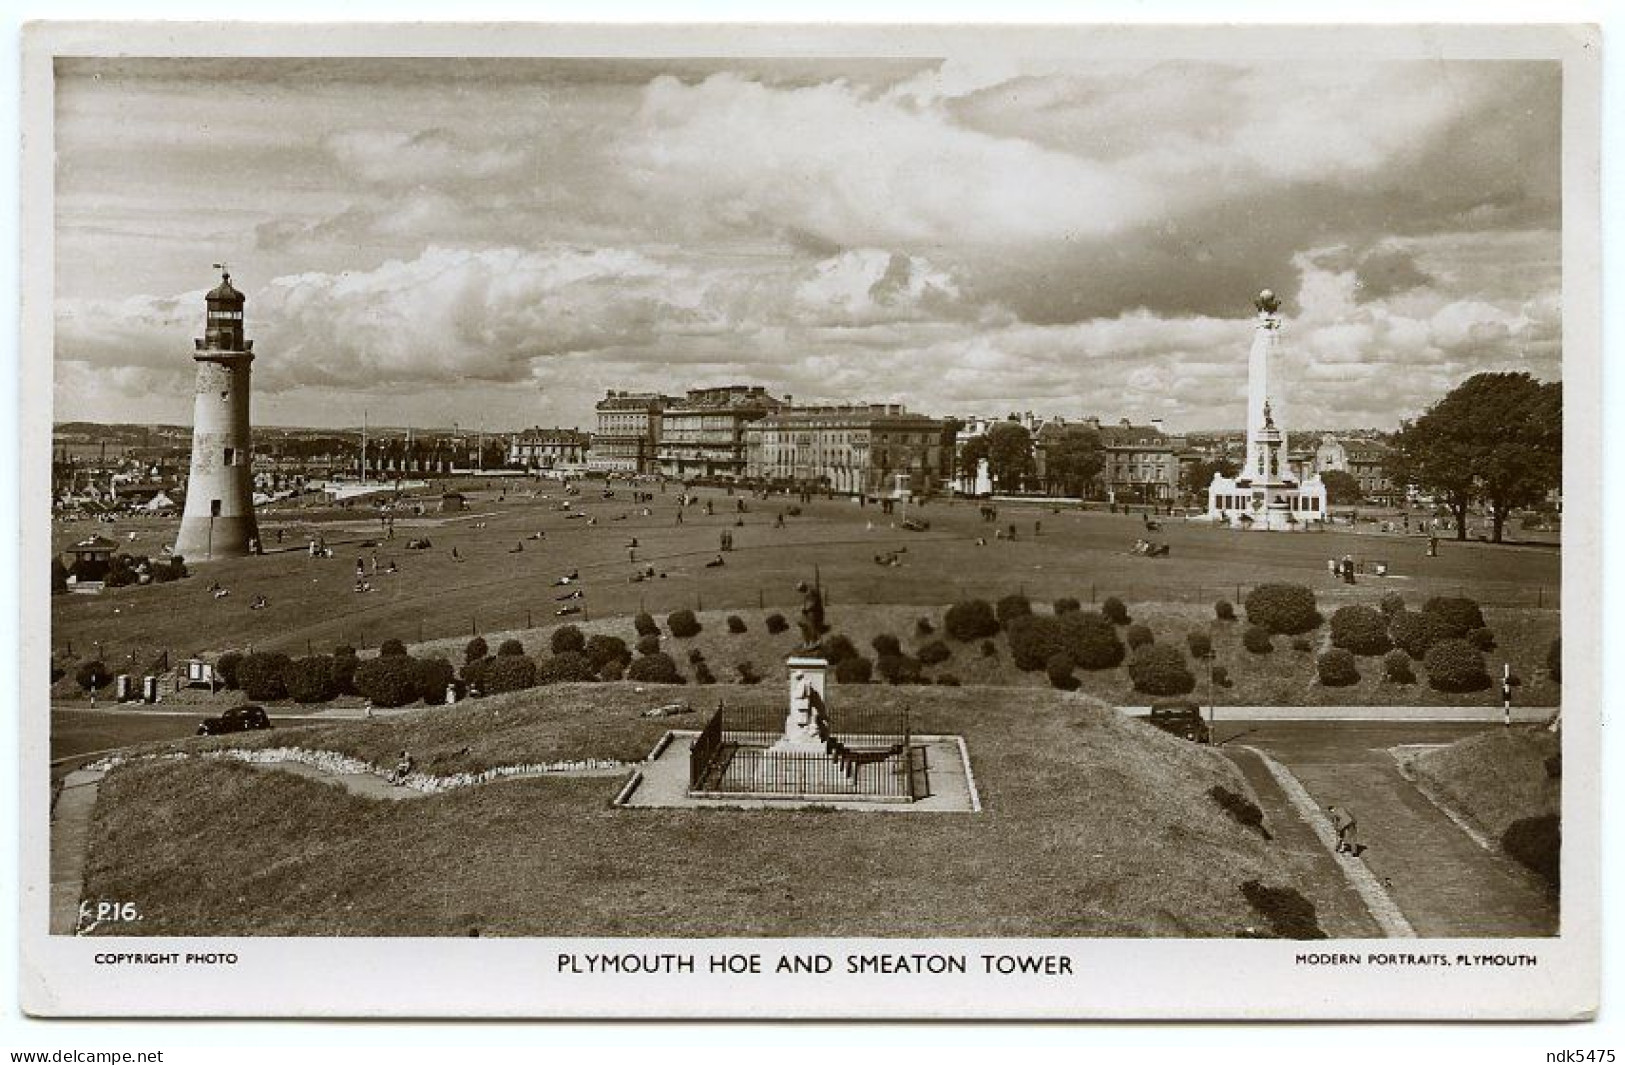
(1443,882)
(70,831)
(1338,906)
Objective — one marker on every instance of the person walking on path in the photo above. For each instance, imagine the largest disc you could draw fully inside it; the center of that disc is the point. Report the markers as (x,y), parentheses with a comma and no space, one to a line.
(1348,834)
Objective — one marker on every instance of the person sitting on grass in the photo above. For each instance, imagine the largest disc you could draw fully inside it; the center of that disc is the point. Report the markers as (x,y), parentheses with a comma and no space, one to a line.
(403,769)
(1348,840)
(714,563)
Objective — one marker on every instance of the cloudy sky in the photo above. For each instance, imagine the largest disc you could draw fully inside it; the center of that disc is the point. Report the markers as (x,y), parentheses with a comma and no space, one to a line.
(498,242)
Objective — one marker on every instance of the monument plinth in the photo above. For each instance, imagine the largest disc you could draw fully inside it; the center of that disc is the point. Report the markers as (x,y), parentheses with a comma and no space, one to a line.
(807,703)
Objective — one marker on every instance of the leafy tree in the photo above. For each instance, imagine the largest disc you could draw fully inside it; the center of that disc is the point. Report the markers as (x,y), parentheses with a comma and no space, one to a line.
(1075,460)
(1497,437)
(1342,489)
(1010,455)
(1198,476)
(971,456)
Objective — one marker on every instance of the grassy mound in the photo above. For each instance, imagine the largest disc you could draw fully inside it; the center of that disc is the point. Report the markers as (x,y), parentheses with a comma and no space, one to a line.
(1094,825)
(1509,783)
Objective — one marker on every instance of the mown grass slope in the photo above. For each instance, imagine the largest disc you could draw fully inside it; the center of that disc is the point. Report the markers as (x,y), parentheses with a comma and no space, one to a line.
(1094,825)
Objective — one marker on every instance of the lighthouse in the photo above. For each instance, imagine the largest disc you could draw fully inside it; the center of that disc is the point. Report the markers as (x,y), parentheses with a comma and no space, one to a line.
(218,521)
(1265,495)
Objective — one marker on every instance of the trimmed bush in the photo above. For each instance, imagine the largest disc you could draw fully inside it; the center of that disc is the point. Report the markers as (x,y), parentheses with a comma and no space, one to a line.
(657,668)
(510,673)
(1066,605)
(1361,630)
(1059,670)
(1138,635)
(1554,660)
(510,649)
(855,669)
(1392,603)
(971,619)
(1396,666)
(1290,915)
(392,649)
(1537,844)
(388,681)
(1242,810)
(475,649)
(342,669)
(923,627)
(602,649)
(1455,666)
(736,624)
(92,676)
(1114,611)
(1302,644)
(1337,669)
(989,649)
(776,624)
(886,644)
(260,676)
(836,648)
(1256,639)
(703,674)
(1221,676)
(1459,614)
(748,674)
(1011,607)
(1034,639)
(899,669)
(614,669)
(567,639)
(649,645)
(1224,611)
(1091,640)
(1414,633)
(695,656)
(434,675)
(1159,669)
(309,680)
(1282,609)
(226,668)
(566,667)
(934,653)
(474,673)
(683,624)
(59,576)
(947,680)
(1483,639)
(645,625)
(1200,644)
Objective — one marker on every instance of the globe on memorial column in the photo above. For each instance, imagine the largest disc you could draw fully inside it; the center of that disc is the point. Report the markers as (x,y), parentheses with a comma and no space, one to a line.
(1266,302)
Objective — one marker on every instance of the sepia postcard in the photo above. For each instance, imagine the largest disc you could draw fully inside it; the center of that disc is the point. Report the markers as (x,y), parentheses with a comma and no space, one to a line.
(811,522)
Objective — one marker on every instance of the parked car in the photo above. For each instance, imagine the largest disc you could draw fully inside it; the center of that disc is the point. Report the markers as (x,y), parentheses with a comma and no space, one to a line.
(237,719)
(1182,718)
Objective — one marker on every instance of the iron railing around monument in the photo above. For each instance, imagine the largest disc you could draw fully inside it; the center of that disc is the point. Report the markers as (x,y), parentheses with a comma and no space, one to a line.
(871,755)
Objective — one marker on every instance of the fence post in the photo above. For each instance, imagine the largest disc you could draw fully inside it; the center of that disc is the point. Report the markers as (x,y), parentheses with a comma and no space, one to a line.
(473,626)
(528,625)
(1540,596)
(420,630)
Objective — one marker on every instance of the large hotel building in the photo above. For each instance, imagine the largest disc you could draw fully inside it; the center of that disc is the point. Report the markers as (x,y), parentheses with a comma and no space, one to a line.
(873,450)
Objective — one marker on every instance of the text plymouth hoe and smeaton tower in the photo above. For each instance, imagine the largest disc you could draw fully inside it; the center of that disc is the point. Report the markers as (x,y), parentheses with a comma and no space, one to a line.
(219,518)
(1265,494)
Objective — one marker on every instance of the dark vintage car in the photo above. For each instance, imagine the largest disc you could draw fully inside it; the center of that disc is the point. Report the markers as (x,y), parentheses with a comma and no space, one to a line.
(1182,718)
(237,719)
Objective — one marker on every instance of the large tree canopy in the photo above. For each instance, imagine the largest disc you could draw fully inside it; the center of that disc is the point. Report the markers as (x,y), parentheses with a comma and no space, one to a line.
(1074,460)
(1495,438)
(1342,488)
(1009,455)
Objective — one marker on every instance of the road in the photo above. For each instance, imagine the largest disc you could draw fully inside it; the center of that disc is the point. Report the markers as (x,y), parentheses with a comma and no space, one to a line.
(76,732)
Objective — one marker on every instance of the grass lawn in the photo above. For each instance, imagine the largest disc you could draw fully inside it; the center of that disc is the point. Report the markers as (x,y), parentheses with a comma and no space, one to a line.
(1497,777)
(1094,825)
(495,588)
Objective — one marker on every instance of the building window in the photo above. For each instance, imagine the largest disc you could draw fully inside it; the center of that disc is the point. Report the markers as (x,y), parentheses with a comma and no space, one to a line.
(214,508)
(230,455)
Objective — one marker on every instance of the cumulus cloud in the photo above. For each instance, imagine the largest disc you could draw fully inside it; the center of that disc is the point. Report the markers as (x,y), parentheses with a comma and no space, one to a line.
(962,235)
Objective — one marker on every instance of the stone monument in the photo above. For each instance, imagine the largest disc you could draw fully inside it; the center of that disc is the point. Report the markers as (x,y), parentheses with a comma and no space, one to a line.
(807,706)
